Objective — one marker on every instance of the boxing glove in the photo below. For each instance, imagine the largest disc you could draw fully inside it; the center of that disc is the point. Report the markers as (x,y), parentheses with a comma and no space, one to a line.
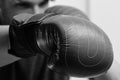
(74,46)
(77,46)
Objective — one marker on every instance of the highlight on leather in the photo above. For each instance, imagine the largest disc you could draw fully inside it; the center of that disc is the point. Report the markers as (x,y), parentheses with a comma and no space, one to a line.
(67,10)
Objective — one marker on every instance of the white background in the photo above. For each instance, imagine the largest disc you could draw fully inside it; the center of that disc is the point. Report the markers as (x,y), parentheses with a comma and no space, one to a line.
(106,14)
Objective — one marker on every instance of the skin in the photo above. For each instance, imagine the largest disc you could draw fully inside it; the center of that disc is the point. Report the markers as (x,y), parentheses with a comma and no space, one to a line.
(9,8)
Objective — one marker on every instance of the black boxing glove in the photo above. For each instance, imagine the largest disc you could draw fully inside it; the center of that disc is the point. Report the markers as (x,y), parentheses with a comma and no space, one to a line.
(74,46)
(77,46)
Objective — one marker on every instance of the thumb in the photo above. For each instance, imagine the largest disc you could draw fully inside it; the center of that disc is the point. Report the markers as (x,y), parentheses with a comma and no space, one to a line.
(21,18)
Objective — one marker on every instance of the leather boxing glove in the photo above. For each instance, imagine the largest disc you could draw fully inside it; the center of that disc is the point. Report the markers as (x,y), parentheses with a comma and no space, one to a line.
(77,47)
(74,46)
